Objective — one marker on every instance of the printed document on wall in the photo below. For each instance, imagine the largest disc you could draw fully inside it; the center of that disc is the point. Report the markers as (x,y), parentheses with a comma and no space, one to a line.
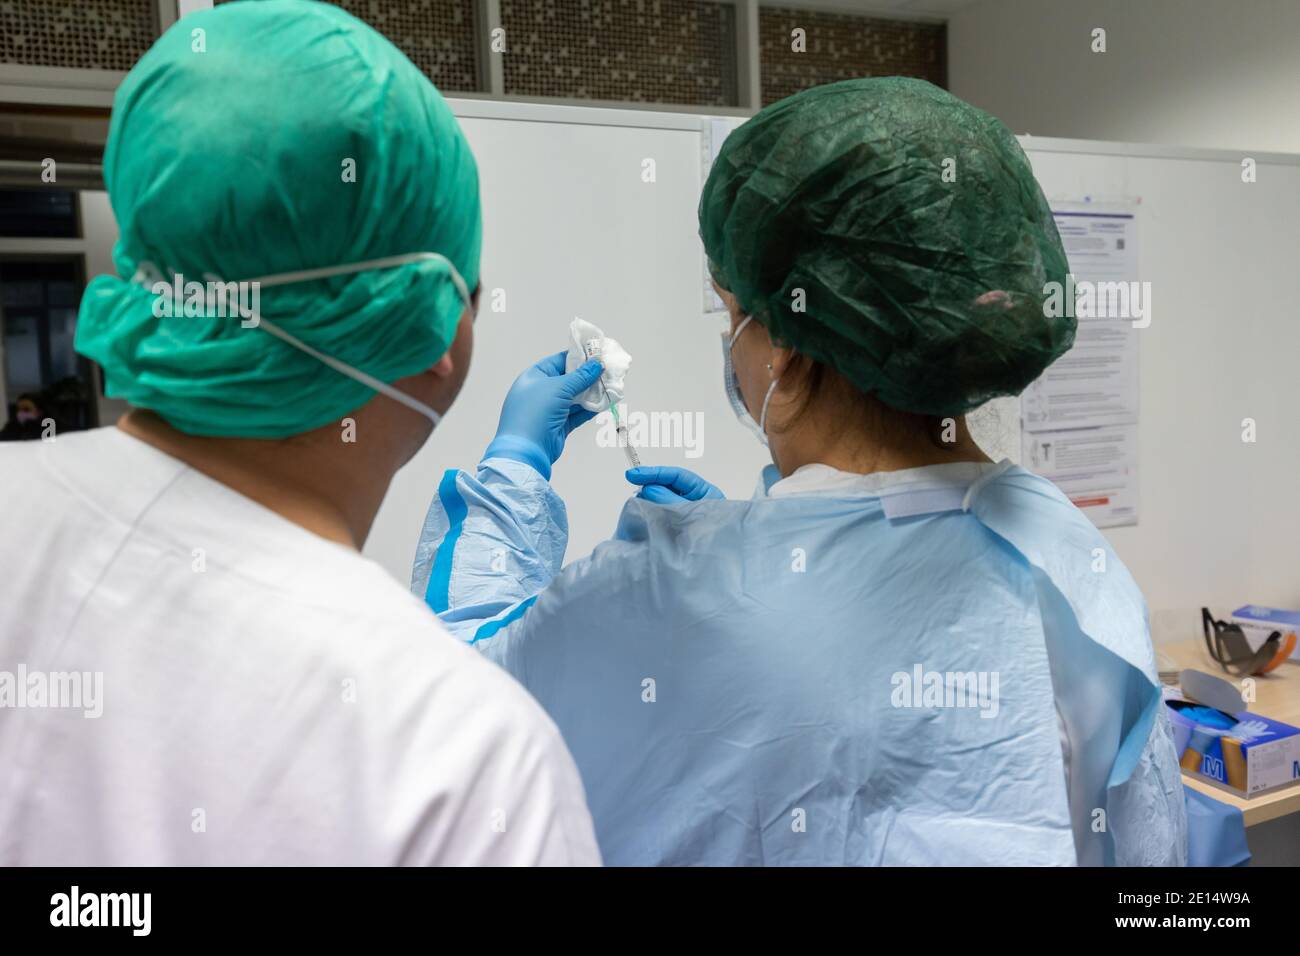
(1079,420)
(1096,382)
(1096,468)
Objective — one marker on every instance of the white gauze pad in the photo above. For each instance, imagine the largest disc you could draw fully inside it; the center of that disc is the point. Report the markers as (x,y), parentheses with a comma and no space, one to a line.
(612,356)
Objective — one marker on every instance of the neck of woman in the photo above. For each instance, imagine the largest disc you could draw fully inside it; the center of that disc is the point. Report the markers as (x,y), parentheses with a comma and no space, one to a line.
(891,441)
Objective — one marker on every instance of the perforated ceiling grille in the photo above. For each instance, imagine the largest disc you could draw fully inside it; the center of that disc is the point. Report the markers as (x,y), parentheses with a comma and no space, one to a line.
(436,35)
(103,35)
(841,47)
(652,51)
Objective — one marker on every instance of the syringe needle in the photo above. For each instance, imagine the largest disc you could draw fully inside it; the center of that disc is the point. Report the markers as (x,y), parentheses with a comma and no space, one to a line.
(622,431)
(631,452)
(593,351)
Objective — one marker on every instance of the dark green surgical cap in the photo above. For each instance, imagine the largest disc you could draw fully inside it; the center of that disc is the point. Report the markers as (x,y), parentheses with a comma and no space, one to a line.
(226,155)
(923,292)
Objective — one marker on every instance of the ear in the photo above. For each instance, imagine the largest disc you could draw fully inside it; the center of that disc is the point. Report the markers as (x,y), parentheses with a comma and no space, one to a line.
(782,358)
(733,307)
(444,366)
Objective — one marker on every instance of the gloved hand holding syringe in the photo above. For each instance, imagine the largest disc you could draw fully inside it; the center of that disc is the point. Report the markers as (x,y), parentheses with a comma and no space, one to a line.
(593,350)
(662,484)
(563,391)
(589,343)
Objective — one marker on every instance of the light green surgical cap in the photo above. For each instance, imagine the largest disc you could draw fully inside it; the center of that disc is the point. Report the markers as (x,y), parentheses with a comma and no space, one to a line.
(889,230)
(231,160)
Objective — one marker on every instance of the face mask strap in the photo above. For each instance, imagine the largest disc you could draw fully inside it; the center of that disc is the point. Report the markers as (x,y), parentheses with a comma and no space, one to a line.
(147,274)
(771,389)
(353,373)
(388,262)
(740,328)
(762,416)
(308,275)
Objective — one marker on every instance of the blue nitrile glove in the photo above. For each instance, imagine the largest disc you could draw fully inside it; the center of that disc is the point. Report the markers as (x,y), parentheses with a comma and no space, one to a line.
(666,485)
(539,413)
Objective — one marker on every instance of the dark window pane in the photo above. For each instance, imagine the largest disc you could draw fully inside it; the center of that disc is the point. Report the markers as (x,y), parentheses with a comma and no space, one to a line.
(28,213)
(40,298)
(23,354)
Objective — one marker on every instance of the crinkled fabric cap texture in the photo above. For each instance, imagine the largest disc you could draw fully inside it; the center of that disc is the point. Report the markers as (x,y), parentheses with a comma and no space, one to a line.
(231,162)
(924,292)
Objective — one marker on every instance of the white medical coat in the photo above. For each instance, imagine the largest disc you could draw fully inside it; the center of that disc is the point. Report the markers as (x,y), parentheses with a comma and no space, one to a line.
(266,696)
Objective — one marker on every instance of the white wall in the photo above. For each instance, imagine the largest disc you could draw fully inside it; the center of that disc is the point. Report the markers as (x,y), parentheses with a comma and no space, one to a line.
(570,228)
(1218,522)
(1215,73)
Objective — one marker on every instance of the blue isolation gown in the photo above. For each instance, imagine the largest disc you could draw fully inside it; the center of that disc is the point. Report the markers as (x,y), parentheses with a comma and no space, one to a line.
(940,666)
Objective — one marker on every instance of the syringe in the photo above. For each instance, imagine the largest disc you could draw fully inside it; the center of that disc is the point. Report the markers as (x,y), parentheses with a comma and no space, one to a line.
(592,350)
